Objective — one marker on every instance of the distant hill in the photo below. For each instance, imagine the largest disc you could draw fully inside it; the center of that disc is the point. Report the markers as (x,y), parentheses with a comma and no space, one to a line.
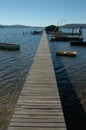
(74,25)
(15,26)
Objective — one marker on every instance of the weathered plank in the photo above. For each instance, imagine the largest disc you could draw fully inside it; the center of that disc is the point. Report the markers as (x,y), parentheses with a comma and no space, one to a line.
(39,106)
(35,128)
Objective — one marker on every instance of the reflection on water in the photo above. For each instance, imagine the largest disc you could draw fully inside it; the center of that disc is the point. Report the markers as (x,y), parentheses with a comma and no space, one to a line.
(14,66)
(71,78)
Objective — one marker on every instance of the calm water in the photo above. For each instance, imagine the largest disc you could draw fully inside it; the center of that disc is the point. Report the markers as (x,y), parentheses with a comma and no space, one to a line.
(70,75)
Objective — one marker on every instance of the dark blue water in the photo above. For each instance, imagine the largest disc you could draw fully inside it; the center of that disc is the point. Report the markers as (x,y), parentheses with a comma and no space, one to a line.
(70,74)
(15,65)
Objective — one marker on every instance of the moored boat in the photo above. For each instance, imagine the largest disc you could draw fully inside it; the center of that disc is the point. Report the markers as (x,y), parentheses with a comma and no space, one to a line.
(6,46)
(66,53)
(78,43)
(66,38)
(36,32)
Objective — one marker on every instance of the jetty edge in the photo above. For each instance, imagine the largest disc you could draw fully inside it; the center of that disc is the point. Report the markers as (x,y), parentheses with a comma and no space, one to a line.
(39,105)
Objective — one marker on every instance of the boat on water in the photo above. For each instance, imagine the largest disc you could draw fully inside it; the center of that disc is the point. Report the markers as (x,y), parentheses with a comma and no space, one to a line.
(78,43)
(66,38)
(6,46)
(66,53)
(71,33)
(63,37)
(36,32)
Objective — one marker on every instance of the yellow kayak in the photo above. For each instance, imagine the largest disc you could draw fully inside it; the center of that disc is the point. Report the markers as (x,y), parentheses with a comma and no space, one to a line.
(66,53)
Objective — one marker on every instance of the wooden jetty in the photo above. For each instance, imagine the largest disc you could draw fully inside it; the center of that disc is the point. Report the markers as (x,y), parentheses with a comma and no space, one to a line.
(39,106)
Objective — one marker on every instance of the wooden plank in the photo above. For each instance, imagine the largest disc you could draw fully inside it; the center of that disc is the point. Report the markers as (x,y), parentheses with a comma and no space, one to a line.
(36,117)
(39,120)
(34,128)
(39,106)
(37,124)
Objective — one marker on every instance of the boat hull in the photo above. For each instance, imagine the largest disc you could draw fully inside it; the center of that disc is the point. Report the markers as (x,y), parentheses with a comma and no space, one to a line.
(65,53)
(64,39)
(5,46)
(36,32)
(78,43)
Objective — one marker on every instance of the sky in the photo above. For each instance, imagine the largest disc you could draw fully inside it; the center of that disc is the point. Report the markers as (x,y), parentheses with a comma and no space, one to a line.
(42,12)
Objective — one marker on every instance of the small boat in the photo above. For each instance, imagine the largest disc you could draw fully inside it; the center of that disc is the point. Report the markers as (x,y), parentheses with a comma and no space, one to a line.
(78,43)
(36,32)
(66,53)
(66,38)
(6,46)
(71,33)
